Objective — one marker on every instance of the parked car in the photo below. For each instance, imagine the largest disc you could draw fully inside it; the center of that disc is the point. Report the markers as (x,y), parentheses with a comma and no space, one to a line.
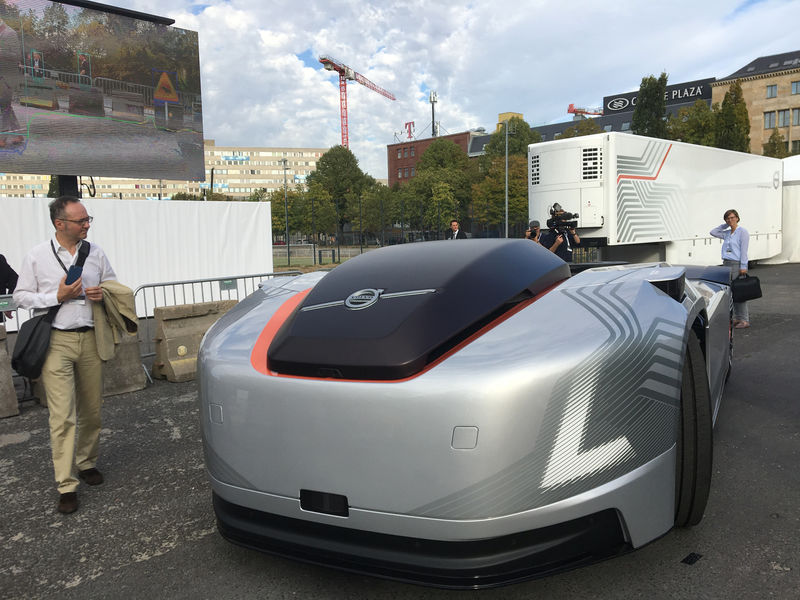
(465,415)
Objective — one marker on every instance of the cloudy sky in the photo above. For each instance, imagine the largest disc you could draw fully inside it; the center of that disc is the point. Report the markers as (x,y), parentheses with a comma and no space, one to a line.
(263,84)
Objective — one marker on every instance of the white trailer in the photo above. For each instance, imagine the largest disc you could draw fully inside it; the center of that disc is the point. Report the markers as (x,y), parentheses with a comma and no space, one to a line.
(642,199)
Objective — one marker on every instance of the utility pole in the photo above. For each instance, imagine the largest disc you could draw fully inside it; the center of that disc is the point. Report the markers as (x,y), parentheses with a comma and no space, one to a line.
(286,209)
(433,98)
(313,233)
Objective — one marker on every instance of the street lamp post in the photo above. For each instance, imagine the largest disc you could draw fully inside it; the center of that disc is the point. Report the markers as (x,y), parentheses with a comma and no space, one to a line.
(506,128)
(286,209)
(313,233)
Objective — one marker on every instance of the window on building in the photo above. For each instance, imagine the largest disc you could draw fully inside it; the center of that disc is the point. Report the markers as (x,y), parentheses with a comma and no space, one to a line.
(769,120)
(625,126)
(412,150)
(783,118)
(607,128)
(405,152)
(399,153)
(405,172)
(413,171)
(772,91)
(399,173)
(796,87)
(796,147)
(796,116)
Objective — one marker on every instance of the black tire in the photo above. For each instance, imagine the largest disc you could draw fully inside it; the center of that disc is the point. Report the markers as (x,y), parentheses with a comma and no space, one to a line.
(695,439)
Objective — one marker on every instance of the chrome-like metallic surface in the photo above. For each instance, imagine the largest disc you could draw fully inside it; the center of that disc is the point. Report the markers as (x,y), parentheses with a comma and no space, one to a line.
(576,398)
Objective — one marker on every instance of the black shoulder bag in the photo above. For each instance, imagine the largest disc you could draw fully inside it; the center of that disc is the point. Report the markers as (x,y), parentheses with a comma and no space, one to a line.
(33,339)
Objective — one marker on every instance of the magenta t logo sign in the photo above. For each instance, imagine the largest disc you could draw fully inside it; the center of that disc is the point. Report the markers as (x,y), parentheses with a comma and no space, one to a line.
(409,128)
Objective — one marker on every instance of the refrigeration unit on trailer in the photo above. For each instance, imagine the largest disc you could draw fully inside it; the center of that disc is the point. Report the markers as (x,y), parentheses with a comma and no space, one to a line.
(646,199)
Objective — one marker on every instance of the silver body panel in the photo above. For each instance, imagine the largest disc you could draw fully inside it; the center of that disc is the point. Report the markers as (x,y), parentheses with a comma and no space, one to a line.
(568,407)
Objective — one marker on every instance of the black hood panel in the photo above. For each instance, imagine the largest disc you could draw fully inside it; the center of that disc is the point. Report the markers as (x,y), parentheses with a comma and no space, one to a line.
(418,301)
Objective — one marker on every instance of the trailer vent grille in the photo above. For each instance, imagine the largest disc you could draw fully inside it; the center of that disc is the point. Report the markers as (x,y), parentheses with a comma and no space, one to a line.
(535,169)
(592,165)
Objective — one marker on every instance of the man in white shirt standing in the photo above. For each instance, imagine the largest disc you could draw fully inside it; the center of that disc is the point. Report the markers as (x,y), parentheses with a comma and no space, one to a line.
(72,374)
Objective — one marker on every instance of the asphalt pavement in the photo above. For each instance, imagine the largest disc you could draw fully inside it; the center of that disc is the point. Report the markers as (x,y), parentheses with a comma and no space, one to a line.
(149,530)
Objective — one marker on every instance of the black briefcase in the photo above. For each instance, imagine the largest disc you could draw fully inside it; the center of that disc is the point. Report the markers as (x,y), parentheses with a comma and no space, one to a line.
(33,341)
(745,287)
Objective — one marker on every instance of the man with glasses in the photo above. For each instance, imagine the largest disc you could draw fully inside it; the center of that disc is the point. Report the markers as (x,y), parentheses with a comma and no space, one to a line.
(72,375)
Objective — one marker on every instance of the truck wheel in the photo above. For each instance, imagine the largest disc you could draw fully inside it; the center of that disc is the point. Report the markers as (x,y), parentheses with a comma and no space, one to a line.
(695,439)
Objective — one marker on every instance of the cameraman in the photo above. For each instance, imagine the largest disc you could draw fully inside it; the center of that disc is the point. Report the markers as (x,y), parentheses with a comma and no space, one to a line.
(560,240)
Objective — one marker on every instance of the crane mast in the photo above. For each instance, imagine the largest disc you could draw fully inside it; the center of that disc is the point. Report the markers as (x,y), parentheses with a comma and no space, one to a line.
(347,73)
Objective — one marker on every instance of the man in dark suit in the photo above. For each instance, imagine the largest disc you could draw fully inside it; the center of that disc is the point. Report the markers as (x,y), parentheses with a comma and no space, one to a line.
(455,233)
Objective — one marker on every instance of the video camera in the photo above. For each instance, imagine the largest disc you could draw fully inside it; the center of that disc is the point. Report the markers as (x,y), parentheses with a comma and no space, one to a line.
(560,220)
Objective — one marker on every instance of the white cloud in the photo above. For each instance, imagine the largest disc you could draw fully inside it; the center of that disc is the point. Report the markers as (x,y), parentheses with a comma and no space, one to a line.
(483,58)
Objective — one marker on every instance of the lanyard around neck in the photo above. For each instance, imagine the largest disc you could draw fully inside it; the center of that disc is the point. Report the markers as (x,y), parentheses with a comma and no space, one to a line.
(58,258)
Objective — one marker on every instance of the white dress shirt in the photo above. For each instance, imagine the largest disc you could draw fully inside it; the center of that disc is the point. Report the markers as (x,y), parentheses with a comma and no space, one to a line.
(37,287)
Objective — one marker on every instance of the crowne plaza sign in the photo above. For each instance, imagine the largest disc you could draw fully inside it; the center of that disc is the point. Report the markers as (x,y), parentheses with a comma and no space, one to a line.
(681,93)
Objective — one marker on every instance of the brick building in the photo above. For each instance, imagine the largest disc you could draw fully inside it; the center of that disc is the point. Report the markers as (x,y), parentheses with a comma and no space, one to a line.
(402,158)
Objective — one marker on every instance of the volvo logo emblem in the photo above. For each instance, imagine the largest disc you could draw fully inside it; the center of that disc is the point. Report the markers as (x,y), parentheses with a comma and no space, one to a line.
(362,299)
(618,103)
(776,180)
(366,298)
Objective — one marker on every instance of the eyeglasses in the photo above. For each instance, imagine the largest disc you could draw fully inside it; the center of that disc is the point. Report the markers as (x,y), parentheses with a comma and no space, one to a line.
(80,222)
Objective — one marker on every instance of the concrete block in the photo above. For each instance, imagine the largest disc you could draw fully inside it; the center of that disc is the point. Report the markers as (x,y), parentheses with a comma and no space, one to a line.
(124,372)
(179,331)
(9,406)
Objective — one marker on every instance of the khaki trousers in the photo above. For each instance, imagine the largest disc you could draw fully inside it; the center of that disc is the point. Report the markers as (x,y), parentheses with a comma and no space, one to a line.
(73,381)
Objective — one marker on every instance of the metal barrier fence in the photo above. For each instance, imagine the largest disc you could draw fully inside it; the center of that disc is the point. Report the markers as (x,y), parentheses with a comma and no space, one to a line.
(150,296)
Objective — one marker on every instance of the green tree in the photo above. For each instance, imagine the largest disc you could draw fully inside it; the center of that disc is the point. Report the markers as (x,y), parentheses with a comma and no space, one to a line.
(185,196)
(218,197)
(732,126)
(489,195)
(440,209)
(409,204)
(581,128)
(776,146)
(53,191)
(651,108)
(280,205)
(260,195)
(339,174)
(520,137)
(694,125)
(444,162)
(372,216)
(319,211)
(442,154)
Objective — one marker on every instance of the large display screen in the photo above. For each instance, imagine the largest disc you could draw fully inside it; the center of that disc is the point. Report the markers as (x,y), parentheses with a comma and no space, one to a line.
(89,92)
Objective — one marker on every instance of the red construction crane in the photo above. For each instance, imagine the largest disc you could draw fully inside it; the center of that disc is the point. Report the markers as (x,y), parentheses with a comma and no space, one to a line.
(584,111)
(345,73)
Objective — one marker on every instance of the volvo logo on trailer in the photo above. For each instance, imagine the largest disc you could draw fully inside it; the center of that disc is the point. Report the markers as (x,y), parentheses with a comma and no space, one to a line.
(362,299)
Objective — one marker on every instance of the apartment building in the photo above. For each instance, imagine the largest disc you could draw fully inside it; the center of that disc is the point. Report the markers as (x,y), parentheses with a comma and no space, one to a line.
(771,90)
(237,172)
